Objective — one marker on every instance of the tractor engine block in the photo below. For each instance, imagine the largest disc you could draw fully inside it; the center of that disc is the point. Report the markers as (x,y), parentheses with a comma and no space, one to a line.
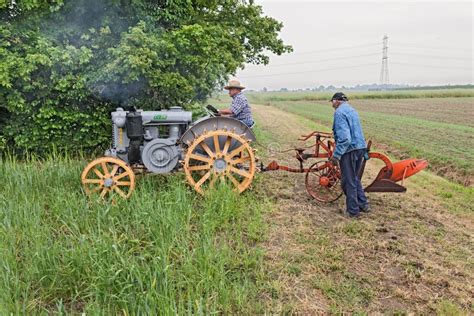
(149,137)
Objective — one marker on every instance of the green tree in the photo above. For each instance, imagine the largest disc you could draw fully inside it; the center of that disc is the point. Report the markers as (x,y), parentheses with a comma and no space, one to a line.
(64,65)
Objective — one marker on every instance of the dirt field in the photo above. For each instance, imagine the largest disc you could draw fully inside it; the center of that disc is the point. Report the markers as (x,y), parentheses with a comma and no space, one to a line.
(412,254)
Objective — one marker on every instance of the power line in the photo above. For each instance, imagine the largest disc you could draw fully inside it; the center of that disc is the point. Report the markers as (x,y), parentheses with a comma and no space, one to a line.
(401,44)
(310,71)
(430,66)
(319,60)
(431,56)
(336,48)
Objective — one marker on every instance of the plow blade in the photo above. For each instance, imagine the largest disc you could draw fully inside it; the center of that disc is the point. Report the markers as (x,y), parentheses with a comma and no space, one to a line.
(392,173)
(385,185)
(406,168)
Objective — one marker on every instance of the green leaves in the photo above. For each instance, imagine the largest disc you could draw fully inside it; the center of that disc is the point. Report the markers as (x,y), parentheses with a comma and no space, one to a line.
(81,59)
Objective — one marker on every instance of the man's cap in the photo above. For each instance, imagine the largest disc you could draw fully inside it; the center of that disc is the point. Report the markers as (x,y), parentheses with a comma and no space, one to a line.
(234,84)
(339,96)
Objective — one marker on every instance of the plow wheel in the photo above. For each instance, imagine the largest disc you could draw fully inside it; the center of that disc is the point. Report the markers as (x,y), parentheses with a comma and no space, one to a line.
(222,156)
(323,182)
(108,176)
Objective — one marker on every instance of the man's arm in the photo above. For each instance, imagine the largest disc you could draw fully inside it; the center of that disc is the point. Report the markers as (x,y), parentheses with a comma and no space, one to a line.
(343,135)
(226,112)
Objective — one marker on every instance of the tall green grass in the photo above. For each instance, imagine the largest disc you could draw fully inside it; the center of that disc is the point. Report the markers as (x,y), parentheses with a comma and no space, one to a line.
(165,250)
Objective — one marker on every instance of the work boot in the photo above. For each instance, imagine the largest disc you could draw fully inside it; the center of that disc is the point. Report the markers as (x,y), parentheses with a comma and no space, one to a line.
(365,209)
(353,216)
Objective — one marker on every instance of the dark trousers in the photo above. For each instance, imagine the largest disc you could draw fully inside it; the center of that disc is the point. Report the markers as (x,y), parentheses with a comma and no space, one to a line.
(350,164)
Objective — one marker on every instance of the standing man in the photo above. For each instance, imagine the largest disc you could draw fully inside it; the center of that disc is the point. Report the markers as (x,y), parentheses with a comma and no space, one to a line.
(349,153)
(240,108)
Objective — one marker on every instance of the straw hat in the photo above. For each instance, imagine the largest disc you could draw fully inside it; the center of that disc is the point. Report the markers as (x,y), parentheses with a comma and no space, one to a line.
(234,84)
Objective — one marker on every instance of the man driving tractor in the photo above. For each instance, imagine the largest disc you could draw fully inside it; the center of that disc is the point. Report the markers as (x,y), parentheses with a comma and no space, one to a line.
(240,107)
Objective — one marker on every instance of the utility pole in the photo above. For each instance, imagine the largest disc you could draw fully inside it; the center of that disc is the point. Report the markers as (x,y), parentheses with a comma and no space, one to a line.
(384,71)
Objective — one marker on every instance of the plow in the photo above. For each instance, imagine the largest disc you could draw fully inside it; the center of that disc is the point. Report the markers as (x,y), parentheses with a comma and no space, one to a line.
(322,179)
(217,149)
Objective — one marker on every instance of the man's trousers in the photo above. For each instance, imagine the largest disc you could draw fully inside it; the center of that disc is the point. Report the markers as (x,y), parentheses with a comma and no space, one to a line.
(351,164)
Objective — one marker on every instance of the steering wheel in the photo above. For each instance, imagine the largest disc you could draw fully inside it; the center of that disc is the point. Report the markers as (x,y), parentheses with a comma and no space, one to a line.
(212,110)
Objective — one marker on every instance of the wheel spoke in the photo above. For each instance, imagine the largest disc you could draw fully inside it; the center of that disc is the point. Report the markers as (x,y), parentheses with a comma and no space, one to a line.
(92,181)
(226,145)
(199,167)
(200,158)
(120,176)
(98,173)
(127,183)
(103,193)
(240,172)
(234,180)
(217,148)
(203,179)
(105,169)
(94,190)
(120,192)
(240,160)
(207,149)
(237,150)
(114,170)
(213,180)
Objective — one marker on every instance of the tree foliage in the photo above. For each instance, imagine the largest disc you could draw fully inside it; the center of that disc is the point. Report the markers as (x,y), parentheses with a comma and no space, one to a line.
(64,65)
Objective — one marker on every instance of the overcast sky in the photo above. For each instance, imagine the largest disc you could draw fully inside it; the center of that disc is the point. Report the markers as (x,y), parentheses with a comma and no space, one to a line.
(340,43)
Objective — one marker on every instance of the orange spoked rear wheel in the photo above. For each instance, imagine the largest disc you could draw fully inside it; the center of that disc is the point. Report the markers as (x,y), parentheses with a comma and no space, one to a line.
(219,156)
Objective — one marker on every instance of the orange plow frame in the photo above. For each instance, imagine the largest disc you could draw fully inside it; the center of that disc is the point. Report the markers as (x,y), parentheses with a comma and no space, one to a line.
(386,180)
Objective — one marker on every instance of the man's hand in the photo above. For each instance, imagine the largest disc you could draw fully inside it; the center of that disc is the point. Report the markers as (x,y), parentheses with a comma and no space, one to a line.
(334,161)
(225,112)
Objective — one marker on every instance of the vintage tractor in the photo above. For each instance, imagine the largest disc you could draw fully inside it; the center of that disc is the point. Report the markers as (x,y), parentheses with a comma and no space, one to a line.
(213,148)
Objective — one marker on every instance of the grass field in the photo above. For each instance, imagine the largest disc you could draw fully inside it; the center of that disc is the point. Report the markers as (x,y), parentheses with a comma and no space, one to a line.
(440,129)
(166,250)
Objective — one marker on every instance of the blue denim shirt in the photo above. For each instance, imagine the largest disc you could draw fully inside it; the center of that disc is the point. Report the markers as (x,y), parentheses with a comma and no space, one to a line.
(347,130)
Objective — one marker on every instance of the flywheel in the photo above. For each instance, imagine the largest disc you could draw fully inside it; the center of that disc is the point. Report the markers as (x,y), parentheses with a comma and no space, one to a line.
(219,156)
(108,176)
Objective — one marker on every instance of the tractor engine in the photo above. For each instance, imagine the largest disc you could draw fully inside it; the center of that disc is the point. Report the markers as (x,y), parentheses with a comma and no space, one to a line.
(149,137)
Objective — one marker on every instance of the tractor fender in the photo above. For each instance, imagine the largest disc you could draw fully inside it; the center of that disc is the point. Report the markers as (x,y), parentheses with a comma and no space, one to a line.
(208,123)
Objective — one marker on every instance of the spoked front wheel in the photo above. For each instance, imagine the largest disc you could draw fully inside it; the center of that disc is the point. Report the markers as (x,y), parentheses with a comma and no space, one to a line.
(108,176)
(323,182)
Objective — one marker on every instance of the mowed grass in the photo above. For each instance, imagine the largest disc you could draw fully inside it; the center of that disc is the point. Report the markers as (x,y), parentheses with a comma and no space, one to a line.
(431,132)
(165,250)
